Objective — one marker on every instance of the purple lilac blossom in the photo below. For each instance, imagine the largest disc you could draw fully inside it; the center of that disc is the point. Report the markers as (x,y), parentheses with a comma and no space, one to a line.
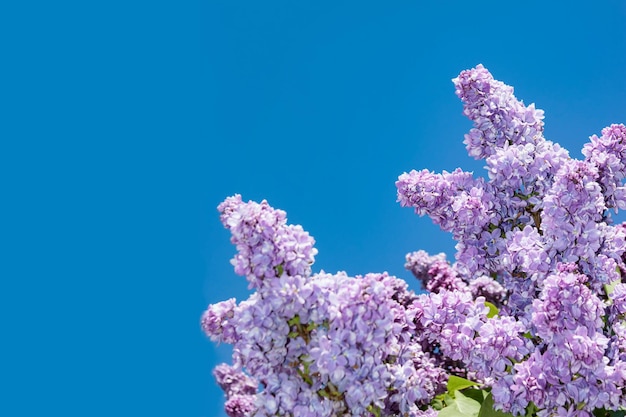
(572,210)
(608,153)
(264,241)
(434,272)
(322,343)
(239,388)
(419,263)
(240,405)
(442,276)
(452,319)
(499,345)
(535,238)
(216,321)
(549,209)
(499,118)
(458,203)
(568,367)
(233,381)
(618,300)
(488,288)
(455,201)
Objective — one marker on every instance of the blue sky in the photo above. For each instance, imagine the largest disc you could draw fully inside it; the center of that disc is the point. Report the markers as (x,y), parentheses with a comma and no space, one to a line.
(126,123)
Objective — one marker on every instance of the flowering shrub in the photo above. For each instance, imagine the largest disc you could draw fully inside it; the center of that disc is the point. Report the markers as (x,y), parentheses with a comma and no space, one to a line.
(529,319)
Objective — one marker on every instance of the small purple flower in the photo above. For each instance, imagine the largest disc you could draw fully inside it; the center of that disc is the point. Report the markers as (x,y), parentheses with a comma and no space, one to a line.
(266,245)
(566,303)
(216,321)
(488,288)
(233,381)
(240,405)
(499,118)
(608,153)
(419,263)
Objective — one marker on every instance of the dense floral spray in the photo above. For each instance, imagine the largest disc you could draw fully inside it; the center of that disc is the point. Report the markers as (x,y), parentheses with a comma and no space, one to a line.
(529,320)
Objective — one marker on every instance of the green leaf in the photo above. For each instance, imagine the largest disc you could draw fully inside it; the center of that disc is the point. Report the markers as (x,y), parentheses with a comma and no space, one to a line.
(466,405)
(437,403)
(608,288)
(374,410)
(493,310)
(601,412)
(475,393)
(486,409)
(456,383)
(450,411)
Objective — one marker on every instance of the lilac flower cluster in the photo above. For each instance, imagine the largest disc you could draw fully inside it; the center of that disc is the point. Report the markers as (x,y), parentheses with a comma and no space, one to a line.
(264,241)
(216,321)
(533,308)
(434,272)
(542,232)
(608,153)
(499,118)
(317,344)
(240,390)
(568,368)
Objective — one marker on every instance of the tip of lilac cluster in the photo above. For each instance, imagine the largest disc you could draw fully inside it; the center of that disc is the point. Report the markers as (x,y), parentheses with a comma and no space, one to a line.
(230,203)
(617,130)
(473,81)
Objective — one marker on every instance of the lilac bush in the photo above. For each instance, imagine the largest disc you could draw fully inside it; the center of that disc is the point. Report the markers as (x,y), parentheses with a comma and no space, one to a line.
(529,319)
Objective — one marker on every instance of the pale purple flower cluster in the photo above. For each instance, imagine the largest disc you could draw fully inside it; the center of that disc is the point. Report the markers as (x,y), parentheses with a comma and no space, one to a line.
(318,344)
(264,241)
(434,272)
(499,118)
(451,319)
(455,201)
(608,153)
(533,309)
(569,368)
(498,346)
(239,388)
(488,288)
(541,231)
(419,263)
(216,321)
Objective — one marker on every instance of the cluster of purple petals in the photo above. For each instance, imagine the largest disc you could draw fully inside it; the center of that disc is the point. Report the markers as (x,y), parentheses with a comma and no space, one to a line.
(419,263)
(264,241)
(608,153)
(570,365)
(539,234)
(455,201)
(434,272)
(239,388)
(319,344)
(460,204)
(451,319)
(498,346)
(488,288)
(216,321)
(458,325)
(617,317)
(566,304)
(499,118)
(572,209)
(546,381)
(535,239)
(524,170)
(358,353)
